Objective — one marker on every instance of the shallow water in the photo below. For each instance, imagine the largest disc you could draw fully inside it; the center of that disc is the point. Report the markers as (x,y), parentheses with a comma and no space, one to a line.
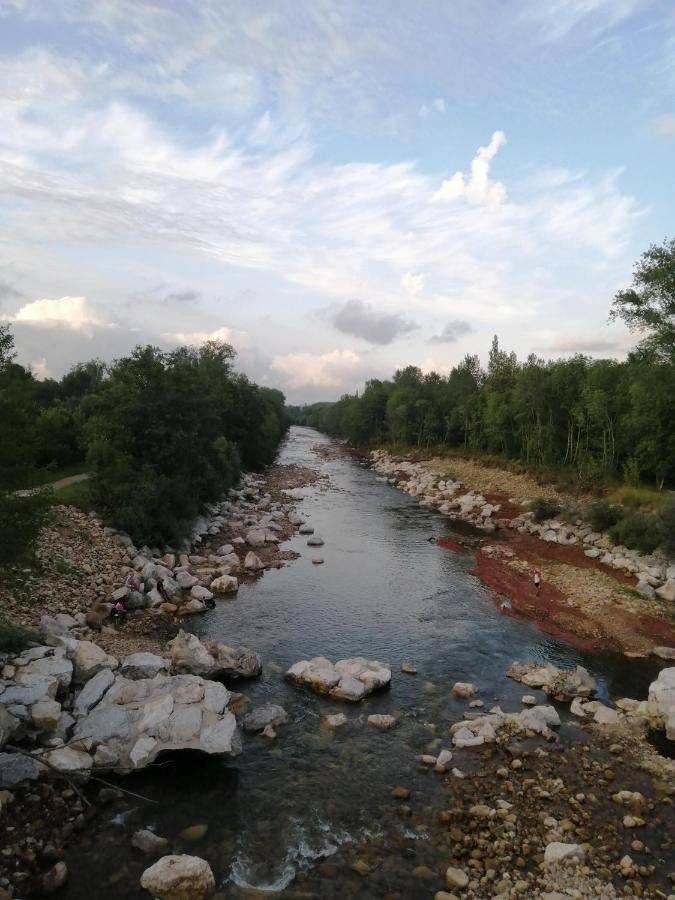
(384,592)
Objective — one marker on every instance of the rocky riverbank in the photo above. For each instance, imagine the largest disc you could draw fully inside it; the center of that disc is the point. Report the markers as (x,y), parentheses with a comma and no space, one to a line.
(559,798)
(593,593)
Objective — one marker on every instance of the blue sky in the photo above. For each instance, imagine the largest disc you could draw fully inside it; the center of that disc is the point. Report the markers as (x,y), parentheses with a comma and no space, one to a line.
(337,188)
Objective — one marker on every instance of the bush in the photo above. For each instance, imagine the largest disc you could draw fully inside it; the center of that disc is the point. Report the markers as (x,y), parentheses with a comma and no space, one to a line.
(14,639)
(542,509)
(631,472)
(603,515)
(20,521)
(638,530)
(667,517)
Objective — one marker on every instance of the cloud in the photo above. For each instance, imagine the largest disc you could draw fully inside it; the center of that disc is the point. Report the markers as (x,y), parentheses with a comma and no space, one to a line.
(40,368)
(362,321)
(558,17)
(452,331)
(477,187)
(74,313)
(182,297)
(610,345)
(200,337)
(438,105)
(413,284)
(8,292)
(664,126)
(330,370)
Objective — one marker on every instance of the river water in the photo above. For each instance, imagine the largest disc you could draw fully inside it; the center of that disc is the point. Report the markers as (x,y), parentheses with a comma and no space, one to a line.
(275,813)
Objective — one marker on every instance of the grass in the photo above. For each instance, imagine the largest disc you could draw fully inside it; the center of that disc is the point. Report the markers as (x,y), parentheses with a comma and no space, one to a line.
(48,476)
(78,495)
(638,497)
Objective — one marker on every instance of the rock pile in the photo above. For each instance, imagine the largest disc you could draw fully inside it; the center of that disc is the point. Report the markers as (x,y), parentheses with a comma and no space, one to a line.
(347,679)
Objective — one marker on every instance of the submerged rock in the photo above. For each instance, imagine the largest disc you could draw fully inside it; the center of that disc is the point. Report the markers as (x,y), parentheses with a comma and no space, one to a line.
(262,717)
(179,878)
(149,843)
(563,684)
(348,679)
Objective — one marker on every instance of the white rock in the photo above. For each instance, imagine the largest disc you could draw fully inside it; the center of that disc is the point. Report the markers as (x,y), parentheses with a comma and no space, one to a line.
(88,659)
(464,689)
(556,852)
(382,722)
(143,665)
(253,562)
(68,759)
(46,714)
(93,691)
(226,584)
(179,878)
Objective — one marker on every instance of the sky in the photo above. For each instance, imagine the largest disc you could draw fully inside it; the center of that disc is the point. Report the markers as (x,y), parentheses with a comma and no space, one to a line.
(336,188)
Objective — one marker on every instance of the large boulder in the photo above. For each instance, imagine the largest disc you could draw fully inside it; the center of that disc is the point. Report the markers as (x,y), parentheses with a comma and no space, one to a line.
(92,692)
(661,702)
(137,720)
(563,684)
(88,659)
(8,726)
(179,878)
(143,665)
(253,563)
(348,679)
(225,584)
(212,659)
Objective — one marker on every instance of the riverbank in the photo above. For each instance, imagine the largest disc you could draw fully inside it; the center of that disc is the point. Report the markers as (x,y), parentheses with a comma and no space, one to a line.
(346,810)
(592,593)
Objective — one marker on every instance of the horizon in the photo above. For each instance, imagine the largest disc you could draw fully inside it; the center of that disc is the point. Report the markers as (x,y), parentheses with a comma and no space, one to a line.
(302,182)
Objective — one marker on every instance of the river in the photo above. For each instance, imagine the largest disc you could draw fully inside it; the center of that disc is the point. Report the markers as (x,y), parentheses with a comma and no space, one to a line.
(385,592)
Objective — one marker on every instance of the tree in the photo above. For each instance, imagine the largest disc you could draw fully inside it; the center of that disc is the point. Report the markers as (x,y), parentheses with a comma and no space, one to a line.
(649,304)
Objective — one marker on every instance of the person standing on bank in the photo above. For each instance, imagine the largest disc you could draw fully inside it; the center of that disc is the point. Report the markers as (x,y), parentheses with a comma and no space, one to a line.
(537,580)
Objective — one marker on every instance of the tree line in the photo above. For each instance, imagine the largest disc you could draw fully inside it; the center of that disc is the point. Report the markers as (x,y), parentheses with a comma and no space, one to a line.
(593,419)
(161,433)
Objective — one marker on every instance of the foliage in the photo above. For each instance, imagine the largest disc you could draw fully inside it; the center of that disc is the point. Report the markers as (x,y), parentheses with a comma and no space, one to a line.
(603,515)
(542,509)
(162,433)
(14,639)
(667,516)
(21,518)
(648,306)
(631,472)
(638,530)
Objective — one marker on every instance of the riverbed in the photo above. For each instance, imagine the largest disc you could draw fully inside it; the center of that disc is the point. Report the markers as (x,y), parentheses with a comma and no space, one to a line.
(286,816)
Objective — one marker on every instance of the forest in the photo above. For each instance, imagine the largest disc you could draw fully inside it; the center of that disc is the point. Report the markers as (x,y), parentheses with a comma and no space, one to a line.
(160,433)
(592,421)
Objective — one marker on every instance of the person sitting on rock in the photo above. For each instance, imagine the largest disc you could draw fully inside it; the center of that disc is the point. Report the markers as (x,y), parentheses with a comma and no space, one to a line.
(132,582)
(119,613)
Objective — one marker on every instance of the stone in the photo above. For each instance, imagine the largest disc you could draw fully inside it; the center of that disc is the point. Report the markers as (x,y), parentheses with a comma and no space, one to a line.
(225,584)
(337,720)
(305,530)
(664,652)
(199,592)
(179,877)
(92,692)
(456,878)
(563,684)
(138,719)
(528,700)
(192,607)
(382,722)
(149,843)
(9,724)
(194,832)
(409,668)
(317,561)
(262,716)
(88,659)
(212,659)
(15,768)
(315,541)
(349,679)
(464,689)
(55,878)
(68,759)
(400,793)
(46,714)
(143,665)
(667,590)
(253,563)
(185,580)
(557,852)
(661,702)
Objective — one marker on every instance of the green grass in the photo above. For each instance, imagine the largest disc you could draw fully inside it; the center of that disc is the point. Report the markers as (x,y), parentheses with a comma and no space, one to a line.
(48,476)
(77,495)
(639,497)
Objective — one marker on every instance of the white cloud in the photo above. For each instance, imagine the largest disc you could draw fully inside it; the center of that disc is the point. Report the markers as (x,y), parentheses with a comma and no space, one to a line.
(477,187)
(40,368)
(228,335)
(413,284)
(67,312)
(438,105)
(332,371)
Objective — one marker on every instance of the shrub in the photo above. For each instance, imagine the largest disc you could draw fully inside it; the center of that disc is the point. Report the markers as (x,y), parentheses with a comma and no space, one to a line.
(542,509)
(603,515)
(20,521)
(631,472)
(667,517)
(14,639)
(638,530)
